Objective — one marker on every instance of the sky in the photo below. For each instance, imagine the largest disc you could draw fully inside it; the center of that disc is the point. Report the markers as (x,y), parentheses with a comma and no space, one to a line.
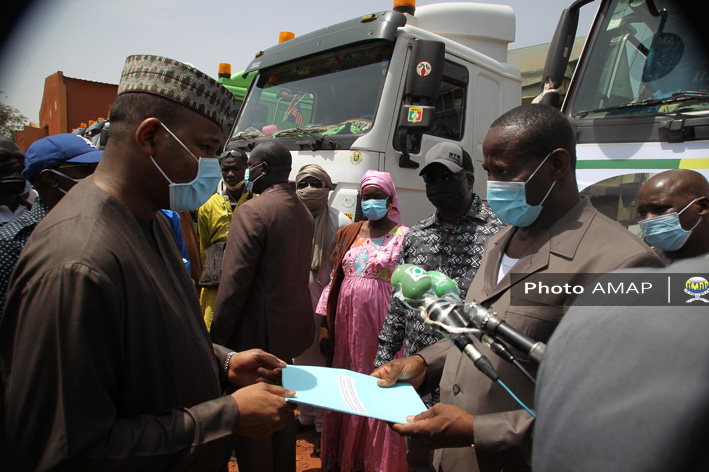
(90,40)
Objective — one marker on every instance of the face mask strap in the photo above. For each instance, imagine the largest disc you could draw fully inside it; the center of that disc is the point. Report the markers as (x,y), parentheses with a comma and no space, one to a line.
(259,164)
(545,196)
(539,167)
(247,176)
(66,177)
(254,181)
(63,175)
(178,140)
(688,205)
(535,171)
(181,144)
(695,225)
(161,171)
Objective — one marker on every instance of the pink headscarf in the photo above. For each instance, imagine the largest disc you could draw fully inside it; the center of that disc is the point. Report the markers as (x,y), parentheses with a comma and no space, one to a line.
(382,180)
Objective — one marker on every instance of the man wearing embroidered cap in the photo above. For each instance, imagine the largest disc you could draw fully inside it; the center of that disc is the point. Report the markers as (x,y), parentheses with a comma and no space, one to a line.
(103,351)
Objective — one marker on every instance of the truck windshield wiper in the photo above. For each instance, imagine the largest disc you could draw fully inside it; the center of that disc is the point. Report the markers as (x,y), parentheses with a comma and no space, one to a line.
(674,98)
(243,143)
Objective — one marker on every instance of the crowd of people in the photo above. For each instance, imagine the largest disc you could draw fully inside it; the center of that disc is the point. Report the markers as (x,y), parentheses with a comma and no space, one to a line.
(130,341)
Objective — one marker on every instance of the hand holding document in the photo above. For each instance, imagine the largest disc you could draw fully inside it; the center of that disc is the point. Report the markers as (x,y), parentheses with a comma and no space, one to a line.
(351,392)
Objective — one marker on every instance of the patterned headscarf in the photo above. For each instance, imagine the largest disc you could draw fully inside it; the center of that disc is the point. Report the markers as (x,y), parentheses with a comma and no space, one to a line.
(382,180)
(316,201)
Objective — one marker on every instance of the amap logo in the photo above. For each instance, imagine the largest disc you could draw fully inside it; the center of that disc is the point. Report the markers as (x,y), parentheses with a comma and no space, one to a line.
(697,286)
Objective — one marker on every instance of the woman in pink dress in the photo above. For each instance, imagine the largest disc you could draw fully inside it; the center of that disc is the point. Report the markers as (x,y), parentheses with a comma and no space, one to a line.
(355,304)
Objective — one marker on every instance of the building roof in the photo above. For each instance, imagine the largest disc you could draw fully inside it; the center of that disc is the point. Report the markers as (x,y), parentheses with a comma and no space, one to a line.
(531,60)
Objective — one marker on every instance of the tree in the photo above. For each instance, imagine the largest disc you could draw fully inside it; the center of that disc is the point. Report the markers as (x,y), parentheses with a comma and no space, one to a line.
(10,120)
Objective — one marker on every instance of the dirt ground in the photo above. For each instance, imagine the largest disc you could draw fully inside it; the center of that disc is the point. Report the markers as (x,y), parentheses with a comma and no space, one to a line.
(305,460)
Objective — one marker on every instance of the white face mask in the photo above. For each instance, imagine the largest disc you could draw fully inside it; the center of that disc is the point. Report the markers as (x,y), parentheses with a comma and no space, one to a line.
(191,195)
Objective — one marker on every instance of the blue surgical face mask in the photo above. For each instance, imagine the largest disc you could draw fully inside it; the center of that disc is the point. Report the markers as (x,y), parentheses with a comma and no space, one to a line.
(509,200)
(250,183)
(192,195)
(374,209)
(665,232)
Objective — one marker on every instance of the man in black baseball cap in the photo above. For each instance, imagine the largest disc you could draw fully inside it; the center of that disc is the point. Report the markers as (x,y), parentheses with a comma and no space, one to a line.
(449,155)
(452,241)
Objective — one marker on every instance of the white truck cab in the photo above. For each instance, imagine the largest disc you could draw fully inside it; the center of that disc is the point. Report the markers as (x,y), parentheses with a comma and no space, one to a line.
(377,92)
(639,97)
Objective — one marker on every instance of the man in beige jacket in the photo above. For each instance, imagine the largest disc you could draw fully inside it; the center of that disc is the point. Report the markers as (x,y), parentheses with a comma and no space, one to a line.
(529,154)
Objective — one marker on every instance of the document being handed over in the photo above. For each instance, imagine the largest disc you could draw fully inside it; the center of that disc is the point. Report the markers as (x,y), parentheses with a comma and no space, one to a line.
(351,392)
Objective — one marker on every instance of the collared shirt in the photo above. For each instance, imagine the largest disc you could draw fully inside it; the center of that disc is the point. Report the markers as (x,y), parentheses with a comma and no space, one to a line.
(13,237)
(7,215)
(455,251)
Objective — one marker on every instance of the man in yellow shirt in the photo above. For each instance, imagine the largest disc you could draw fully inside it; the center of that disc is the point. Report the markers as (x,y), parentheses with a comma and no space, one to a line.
(213,224)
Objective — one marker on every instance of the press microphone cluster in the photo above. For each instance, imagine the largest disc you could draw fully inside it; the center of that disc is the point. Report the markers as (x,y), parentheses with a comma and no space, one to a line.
(438,297)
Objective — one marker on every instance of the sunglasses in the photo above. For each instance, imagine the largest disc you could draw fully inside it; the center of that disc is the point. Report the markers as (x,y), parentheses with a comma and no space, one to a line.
(234,153)
(304,183)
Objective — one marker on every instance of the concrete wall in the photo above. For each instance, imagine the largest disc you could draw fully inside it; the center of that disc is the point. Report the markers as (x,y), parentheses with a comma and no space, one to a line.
(52,112)
(68,102)
(87,100)
(27,136)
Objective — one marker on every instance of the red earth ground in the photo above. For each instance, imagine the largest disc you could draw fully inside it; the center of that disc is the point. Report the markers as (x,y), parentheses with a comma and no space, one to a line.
(305,460)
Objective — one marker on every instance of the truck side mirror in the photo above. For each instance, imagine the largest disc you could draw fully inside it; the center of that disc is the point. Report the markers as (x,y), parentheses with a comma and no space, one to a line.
(559,53)
(423,80)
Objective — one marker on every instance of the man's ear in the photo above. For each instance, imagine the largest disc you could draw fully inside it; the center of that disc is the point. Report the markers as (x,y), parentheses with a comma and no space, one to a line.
(148,135)
(266,168)
(48,179)
(703,205)
(560,163)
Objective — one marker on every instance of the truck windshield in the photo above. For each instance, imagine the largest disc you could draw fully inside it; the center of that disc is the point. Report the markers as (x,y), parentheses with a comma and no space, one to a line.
(647,59)
(332,94)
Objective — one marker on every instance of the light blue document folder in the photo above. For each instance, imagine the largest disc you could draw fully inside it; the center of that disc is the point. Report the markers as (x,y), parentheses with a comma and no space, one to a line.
(351,392)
